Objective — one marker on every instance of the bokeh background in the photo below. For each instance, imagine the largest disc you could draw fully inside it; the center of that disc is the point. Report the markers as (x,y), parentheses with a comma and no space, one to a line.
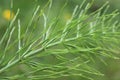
(111,70)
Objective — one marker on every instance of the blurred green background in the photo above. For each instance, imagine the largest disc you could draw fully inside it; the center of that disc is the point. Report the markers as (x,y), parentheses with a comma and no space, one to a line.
(111,71)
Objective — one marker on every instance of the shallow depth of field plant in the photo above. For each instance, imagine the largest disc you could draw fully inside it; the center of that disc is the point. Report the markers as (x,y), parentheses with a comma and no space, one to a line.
(50,47)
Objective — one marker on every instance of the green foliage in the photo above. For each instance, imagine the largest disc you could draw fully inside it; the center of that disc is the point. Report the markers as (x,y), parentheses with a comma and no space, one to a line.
(46,49)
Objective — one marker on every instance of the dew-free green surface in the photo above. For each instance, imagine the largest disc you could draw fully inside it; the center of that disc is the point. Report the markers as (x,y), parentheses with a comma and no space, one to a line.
(74,58)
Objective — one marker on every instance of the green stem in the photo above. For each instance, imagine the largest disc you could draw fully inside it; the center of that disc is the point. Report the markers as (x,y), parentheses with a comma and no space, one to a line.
(9,65)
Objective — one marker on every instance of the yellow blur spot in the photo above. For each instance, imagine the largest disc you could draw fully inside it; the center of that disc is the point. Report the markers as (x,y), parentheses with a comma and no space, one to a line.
(8,15)
(67,16)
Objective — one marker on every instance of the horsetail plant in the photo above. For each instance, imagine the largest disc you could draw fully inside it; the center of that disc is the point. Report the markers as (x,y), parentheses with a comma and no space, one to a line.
(49,51)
